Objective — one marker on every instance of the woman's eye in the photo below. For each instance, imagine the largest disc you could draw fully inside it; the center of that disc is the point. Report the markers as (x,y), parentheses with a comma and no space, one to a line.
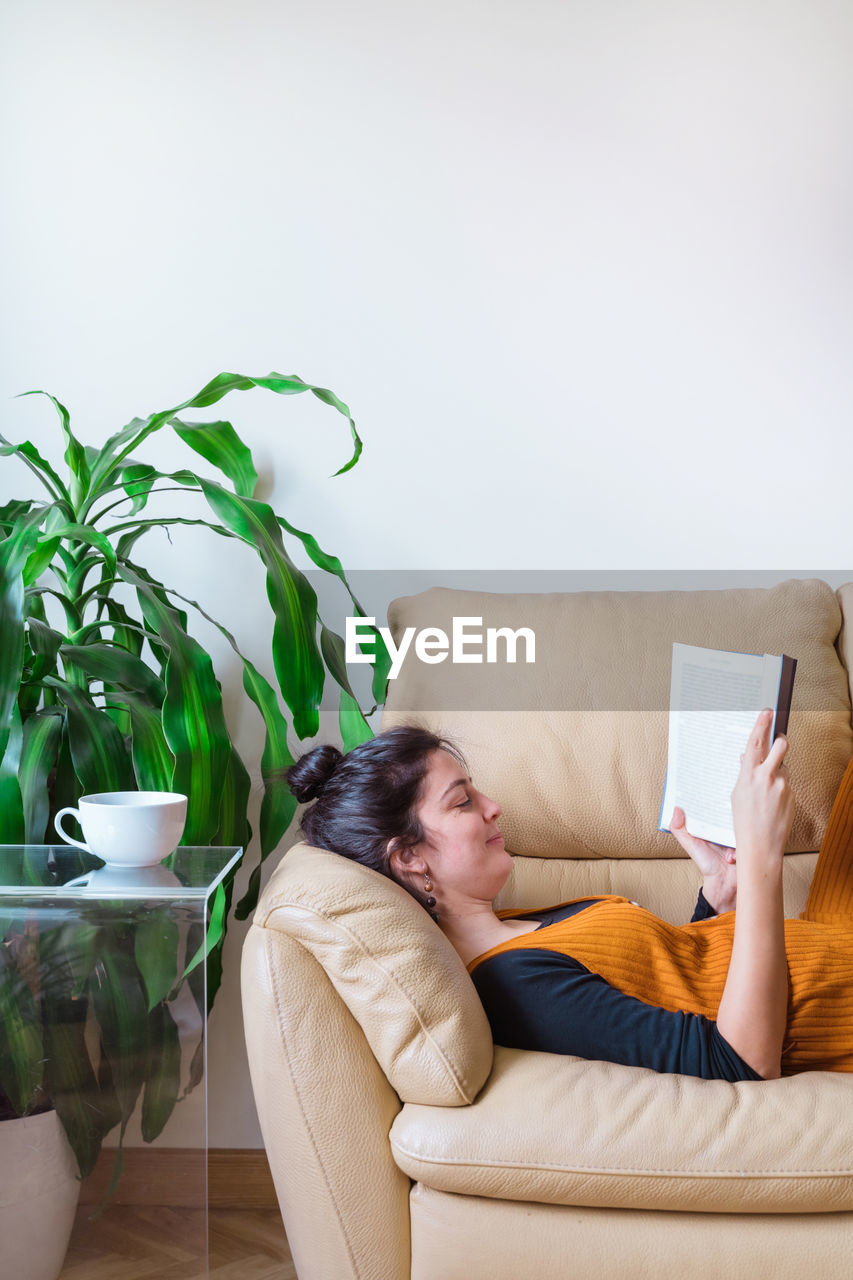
(464,804)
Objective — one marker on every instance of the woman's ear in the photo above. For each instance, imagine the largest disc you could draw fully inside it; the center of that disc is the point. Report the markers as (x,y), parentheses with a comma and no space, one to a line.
(403,862)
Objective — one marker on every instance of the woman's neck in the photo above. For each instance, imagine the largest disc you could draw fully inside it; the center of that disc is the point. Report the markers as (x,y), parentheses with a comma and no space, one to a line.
(473,928)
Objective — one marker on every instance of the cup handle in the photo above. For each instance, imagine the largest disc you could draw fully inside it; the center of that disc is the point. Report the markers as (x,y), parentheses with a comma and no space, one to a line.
(57,822)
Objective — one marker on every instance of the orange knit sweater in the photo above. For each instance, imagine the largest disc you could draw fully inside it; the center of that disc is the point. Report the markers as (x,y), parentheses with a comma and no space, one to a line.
(684,967)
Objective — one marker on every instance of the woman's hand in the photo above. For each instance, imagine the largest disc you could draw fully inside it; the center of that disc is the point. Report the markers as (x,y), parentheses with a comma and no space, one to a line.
(717,862)
(762,801)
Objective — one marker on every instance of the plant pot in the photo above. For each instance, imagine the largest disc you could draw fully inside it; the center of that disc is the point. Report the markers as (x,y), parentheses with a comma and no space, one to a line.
(39,1190)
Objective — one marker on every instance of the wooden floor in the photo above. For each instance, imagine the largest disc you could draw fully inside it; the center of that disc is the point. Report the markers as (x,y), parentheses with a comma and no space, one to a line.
(149,1242)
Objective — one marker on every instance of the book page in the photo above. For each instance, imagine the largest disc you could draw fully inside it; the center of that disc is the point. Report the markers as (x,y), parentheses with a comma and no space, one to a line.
(715,698)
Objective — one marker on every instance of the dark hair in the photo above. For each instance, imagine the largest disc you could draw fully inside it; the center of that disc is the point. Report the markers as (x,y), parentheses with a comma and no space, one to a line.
(368,797)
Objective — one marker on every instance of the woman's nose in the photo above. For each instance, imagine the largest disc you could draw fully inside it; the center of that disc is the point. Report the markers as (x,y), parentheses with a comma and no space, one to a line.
(491,809)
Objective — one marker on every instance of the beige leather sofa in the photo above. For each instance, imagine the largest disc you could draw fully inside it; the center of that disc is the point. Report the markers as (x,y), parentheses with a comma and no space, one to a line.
(402,1142)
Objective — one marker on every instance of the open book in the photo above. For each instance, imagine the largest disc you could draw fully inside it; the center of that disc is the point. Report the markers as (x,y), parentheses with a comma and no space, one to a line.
(715,698)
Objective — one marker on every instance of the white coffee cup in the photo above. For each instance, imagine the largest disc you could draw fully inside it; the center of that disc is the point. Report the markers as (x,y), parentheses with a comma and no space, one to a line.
(128,828)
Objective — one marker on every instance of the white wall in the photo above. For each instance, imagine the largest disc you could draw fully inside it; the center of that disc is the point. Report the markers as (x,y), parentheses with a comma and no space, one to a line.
(582,271)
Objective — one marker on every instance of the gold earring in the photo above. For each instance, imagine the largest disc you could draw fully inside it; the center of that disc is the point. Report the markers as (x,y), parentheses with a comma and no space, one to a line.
(428,886)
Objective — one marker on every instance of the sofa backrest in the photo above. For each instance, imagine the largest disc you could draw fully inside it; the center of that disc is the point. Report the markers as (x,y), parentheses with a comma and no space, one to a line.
(574,745)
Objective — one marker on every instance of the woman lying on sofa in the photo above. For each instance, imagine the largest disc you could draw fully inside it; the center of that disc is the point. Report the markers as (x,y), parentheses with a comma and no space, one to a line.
(743,995)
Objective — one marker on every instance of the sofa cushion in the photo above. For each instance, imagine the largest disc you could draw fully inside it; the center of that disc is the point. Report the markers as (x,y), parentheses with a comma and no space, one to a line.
(562,1130)
(668,888)
(574,746)
(393,968)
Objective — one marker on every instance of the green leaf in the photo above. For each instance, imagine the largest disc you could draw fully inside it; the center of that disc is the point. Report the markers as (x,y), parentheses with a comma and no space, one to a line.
(136,528)
(85,533)
(118,997)
(42,734)
(126,627)
(126,630)
(44,639)
(226,382)
(11,804)
(113,664)
(24,535)
(85,1103)
(249,900)
(213,933)
(279,804)
(153,762)
(196,1074)
(105,463)
(126,440)
(82,567)
(138,479)
(220,445)
(155,948)
(101,760)
(21,1045)
(296,657)
(75,454)
(40,559)
(66,785)
(334,655)
(11,634)
(323,559)
(193,718)
(213,978)
(76,944)
(163,1077)
(331,564)
(233,823)
(40,467)
(12,512)
(204,979)
(354,728)
(65,601)
(381,666)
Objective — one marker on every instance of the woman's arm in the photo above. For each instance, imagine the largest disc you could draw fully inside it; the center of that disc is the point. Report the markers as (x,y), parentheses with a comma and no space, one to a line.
(753,1008)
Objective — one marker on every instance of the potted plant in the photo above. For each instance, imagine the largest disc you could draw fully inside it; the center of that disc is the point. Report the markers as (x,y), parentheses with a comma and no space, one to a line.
(104,687)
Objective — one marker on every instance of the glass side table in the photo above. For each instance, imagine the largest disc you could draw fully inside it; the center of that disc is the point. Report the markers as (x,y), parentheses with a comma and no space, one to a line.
(103,1035)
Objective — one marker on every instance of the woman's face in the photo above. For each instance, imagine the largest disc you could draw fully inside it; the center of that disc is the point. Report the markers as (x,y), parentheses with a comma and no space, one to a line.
(462,848)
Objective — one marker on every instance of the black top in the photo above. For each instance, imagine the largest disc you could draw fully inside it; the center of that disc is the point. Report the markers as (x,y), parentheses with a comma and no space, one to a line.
(537,999)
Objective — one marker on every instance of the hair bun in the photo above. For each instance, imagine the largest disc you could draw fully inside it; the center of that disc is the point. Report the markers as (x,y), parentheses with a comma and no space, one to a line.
(309,775)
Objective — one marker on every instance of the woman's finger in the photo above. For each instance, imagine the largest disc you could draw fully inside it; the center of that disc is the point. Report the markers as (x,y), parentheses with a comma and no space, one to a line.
(777,752)
(758,744)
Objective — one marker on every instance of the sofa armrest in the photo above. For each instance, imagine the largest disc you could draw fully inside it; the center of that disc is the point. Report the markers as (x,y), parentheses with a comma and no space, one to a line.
(325,1109)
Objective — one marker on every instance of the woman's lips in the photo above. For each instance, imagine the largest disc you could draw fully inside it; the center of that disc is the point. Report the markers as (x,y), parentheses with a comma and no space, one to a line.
(492,839)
